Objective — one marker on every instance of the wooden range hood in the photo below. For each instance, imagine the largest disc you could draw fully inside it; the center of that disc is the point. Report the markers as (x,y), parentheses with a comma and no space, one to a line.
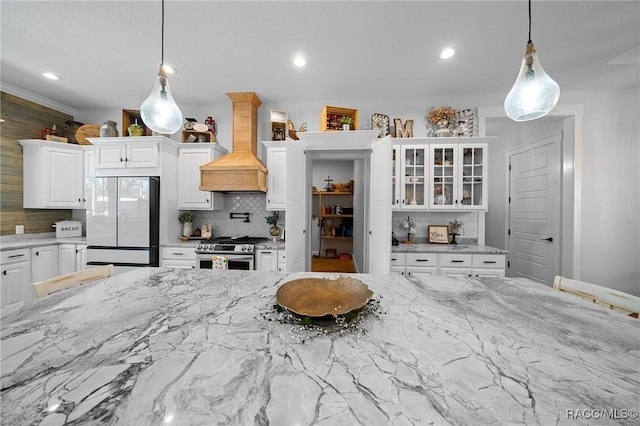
(241,169)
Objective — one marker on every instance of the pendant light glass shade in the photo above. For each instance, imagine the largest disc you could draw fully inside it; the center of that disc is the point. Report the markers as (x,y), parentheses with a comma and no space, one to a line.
(159,111)
(534,93)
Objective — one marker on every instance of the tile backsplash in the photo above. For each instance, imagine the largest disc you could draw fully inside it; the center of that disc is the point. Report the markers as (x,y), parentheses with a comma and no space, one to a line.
(239,202)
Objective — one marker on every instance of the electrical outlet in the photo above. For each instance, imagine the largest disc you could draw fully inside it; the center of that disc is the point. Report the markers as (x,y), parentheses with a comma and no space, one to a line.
(19,229)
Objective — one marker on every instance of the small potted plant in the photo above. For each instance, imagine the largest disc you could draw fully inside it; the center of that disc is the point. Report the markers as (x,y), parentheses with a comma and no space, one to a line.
(346,122)
(455,226)
(273,221)
(186,219)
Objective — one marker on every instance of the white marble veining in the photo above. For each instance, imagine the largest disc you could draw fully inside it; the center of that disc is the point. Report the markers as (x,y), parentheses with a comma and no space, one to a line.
(447,248)
(10,242)
(184,347)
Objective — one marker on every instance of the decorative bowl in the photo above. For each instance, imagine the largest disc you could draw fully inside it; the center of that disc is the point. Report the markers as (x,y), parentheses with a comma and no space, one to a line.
(318,297)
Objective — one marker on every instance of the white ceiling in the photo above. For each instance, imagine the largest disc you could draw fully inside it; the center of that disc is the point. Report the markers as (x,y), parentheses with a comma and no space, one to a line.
(107,52)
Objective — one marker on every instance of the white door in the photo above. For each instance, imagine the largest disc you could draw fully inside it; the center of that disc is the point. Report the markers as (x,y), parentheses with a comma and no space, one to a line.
(379,225)
(296,219)
(534,210)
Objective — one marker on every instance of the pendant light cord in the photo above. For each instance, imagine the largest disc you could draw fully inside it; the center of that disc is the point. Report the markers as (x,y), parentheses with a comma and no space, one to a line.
(162,42)
(529,20)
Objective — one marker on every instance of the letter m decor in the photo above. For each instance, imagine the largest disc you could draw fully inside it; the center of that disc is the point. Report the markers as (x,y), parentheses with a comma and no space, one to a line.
(405,131)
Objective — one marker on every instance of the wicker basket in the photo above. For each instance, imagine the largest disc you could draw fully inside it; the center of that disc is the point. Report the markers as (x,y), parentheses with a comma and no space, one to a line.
(318,297)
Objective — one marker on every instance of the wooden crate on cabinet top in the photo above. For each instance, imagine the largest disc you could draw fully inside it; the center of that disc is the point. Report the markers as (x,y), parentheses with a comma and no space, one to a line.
(209,136)
(327,111)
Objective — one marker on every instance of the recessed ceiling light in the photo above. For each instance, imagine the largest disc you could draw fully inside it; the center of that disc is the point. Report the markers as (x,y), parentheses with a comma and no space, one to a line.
(299,61)
(50,76)
(447,53)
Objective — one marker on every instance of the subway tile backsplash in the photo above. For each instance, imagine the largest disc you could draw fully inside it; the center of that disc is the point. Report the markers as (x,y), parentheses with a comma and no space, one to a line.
(239,202)
(423,219)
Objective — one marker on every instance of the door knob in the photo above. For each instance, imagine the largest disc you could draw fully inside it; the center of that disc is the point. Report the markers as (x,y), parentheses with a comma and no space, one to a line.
(547,239)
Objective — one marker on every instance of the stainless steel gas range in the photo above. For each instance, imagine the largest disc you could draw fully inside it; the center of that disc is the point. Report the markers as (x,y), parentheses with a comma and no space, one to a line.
(239,251)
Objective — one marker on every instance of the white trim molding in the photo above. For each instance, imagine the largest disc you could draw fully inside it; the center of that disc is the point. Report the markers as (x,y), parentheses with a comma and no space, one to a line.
(25,94)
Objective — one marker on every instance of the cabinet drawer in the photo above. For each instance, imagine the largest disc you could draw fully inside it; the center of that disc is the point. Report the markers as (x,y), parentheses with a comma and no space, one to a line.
(179,253)
(456,260)
(397,259)
(9,256)
(493,261)
(422,259)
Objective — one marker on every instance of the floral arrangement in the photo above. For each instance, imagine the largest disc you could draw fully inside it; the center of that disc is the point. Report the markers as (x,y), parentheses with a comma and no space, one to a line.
(456,224)
(445,112)
(273,219)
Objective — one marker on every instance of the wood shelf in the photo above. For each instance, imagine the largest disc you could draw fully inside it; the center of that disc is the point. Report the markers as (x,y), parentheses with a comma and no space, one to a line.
(336,216)
(332,193)
(210,136)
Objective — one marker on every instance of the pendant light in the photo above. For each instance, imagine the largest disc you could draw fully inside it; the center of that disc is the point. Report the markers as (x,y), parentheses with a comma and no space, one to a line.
(534,93)
(159,111)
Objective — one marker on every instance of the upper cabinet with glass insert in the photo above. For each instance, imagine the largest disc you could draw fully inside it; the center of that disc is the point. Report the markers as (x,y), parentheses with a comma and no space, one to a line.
(458,176)
(410,177)
(440,173)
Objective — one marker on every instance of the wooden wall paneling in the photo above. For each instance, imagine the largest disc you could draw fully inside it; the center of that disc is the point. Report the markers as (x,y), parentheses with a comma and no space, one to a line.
(23,120)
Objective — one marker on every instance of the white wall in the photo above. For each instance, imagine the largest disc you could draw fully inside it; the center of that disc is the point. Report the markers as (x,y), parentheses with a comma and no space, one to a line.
(608,159)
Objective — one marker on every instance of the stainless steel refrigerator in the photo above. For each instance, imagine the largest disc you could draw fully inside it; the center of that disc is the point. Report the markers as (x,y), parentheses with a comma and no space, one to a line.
(123,221)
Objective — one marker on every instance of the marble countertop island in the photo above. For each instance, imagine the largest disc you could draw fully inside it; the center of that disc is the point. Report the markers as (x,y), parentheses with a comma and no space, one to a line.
(185,347)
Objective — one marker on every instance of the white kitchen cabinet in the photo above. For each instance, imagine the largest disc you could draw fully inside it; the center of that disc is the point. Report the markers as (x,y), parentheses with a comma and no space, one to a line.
(489,265)
(81,257)
(44,262)
(66,258)
(282,260)
(15,279)
(53,174)
(190,157)
(410,182)
(276,175)
(266,260)
(397,261)
(178,257)
(448,264)
(458,176)
(71,258)
(421,264)
(128,156)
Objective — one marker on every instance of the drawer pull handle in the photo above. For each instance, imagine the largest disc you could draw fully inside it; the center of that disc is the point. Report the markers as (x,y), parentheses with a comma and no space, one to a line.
(394,259)
(16,255)
(178,254)
(266,252)
(489,261)
(422,260)
(457,261)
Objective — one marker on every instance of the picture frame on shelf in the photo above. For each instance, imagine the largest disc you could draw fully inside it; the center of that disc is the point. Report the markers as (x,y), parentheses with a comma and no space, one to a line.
(438,234)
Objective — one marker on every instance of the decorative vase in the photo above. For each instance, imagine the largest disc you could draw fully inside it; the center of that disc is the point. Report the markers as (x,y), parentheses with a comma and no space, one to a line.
(109,129)
(187,229)
(274,231)
(346,127)
(136,129)
(442,129)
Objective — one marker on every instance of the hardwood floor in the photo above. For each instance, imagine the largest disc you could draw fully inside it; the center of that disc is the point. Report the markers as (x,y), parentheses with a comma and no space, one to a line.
(327,264)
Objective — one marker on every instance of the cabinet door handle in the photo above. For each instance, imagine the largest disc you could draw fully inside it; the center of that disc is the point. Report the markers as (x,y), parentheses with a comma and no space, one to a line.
(15,255)
(207,200)
(4,272)
(550,239)
(489,261)
(121,159)
(37,253)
